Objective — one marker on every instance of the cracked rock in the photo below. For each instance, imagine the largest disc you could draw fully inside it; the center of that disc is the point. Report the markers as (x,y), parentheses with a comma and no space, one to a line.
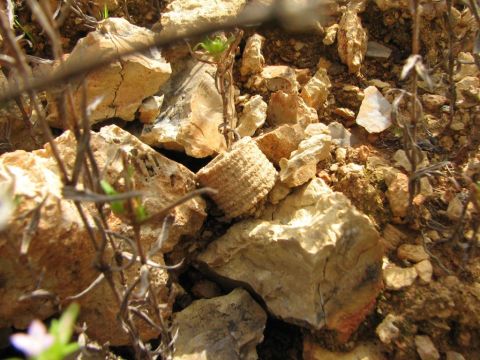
(313,258)
(118,89)
(227,327)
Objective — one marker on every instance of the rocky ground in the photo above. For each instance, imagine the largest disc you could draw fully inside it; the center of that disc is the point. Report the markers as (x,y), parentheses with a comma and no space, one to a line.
(337,141)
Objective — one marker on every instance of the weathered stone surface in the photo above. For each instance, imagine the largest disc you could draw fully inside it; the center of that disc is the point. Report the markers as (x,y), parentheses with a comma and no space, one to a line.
(392,237)
(455,208)
(279,77)
(425,271)
(313,258)
(363,351)
(396,277)
(452,355)
(387,331)
(397,194)
(117,90)
(289,108)
(226,327)
(253,116)
(414,253)
(352,40)
(302,163)
(401,160)
(467,90)
(378,50)
(252,59)
(150,109)
(316,91)
(60,248)
(243,177)
(375,110)
(280,142)
(182,16)
(425,348)
(193,112)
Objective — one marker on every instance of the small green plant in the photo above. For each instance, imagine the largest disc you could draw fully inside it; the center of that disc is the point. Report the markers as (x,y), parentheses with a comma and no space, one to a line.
(118,206)
(104,13)
(22,28)
(54,344)
(215,47)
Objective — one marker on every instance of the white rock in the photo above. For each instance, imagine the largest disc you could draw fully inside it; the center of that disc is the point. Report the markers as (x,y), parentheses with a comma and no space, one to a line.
(455,208)
(252,59)
(253,116)
(117,90)
(375,111)
(425,348)
(425,271)
(193,112)
(150,109)
(397,278)
(387,331)
(316,91)
(302,164)
(340,135)
(182,16)
(414,253)
(225,327)
(313,258)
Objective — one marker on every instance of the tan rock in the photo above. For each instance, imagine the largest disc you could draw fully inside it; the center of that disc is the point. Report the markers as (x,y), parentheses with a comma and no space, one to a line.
(302,164)
(453,355)
(253,116)
(375,111)
(425,271)
(414,253)
(397,195)
(433,102)
(392,237)
(226,327)
(316,91)
(150,109)
(425,348)
(116,90)
(330,34)
(467,91)
(183,16)
(401,160)
(313,258)
(252,59)
(455,208)
(243,177)
(280,142)
(363,351)
(206,289)
(352,40)
(397,278)
(279,77)
(289,108)
(278,193)
(193,113)
(387,331)
(465,66)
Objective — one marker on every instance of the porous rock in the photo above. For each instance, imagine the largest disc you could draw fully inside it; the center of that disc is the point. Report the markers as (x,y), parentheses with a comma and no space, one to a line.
(226,327)
(193,112)
(313,258)
(252,59)
(280,142)
(60,248)
(352,40)
(118,89)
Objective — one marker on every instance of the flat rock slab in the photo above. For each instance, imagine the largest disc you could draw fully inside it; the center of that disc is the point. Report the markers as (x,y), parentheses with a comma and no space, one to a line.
(223,328)
(313,258)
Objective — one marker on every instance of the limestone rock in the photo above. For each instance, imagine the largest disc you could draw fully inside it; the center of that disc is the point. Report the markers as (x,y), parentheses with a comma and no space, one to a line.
(302,164)
(252,59)
(340,135)
(253,116)
(280,142)
(387,331)
(316,91)
(433,102)
(414,253)
(193,112)
(392,237)
(452,355)
(226,327)
(243,177)
(182,16)
(330,34)
(401,160)
(397,195)
(313,258)
(116,90)
(150,109)
(375,110)
(279,77)
(466,66)
(397,278)
(455,208)
(425,348)
(377,50)
(289,108)
(363,351)
(467,90)
(352,40)
(425,271)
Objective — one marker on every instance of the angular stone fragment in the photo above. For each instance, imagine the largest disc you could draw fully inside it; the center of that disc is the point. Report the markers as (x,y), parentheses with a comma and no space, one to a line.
(352,40)
(375,49)
(150,109)
(253,116)
(313,258)
(193,112)
(182,16)
(60,249)
(252,59)
(330,34)
(374,113)
(226,327)
(280,142)
(392,237)
(302,164)
(425,348)
(387,331)
(316,91)
(289,108)
(397,194)
(455,208)
(467,91)
(453,355)
(116,90)
(396,277)
(425,271)
(414,253)
(363,351)
(280,77)
(243,177)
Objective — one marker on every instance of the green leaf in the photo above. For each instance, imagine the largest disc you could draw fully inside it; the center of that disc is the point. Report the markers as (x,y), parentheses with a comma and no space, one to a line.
(141,213)
(67,322)
(116,206)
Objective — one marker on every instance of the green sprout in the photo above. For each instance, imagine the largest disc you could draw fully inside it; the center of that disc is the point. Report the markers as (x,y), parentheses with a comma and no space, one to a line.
(118,206)
(55,344)
(27,33)
(104,13)
(216,46)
